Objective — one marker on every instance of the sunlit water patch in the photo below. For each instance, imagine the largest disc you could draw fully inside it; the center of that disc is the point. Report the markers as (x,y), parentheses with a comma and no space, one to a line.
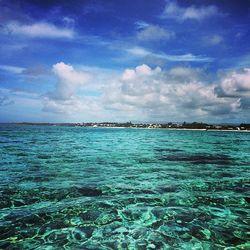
(94,188)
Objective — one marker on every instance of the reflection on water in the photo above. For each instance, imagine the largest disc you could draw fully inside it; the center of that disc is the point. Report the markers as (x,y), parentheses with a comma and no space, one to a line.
(81,188)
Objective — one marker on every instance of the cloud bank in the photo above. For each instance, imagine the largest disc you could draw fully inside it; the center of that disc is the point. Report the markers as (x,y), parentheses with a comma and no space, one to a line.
(180,92)
(146,93)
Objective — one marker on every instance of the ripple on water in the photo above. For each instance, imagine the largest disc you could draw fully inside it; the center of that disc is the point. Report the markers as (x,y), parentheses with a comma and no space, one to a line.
(79,188)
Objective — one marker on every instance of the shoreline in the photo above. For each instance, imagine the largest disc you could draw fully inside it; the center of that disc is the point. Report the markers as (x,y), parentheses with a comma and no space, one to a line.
(179,129)
(128,127)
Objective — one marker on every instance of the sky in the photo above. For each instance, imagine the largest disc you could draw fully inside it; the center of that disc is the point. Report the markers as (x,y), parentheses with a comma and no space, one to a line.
(122,60)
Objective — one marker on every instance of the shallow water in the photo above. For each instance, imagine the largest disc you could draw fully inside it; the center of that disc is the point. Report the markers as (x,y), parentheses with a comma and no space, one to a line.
(97,188)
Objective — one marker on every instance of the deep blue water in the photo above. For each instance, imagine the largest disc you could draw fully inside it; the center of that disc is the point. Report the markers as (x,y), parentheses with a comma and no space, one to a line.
(99,188)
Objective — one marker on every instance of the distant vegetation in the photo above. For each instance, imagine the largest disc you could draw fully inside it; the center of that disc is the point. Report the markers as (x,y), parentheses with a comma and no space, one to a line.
(169,125)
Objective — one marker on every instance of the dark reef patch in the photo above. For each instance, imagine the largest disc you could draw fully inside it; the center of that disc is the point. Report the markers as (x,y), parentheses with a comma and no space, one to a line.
(89,191)
(44,156)
(168,189)
(199,158)
(168,150)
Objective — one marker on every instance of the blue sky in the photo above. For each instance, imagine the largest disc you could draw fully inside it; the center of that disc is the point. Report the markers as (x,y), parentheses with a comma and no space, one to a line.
(120,60)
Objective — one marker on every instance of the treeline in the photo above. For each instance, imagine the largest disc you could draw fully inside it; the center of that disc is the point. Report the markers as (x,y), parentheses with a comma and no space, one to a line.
(184,125)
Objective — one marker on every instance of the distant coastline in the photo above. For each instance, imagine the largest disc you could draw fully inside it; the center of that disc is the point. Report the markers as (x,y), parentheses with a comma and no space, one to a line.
(199,126)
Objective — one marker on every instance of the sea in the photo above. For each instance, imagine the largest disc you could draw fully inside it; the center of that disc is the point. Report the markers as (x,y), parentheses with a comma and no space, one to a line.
(122,188)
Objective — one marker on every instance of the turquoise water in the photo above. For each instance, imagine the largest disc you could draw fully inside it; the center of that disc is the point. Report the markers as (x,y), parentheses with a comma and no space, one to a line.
(99,188)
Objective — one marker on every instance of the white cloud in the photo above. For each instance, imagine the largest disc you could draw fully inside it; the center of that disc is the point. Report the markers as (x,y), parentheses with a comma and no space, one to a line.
(64,98)
(142,70)
(41,30)
(235,84)
(145,93)
(189,57)
(213,40)
(73,105)
(153,33)
(141,24)
(178,93)
(69,80)
(12,69)
(184,74)
(141,52)
(174,11)
(16,101)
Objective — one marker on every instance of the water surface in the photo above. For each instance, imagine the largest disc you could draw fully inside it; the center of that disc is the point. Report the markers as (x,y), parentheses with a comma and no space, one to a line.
(99,188)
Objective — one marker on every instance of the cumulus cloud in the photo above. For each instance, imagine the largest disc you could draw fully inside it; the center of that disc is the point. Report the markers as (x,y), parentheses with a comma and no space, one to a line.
(178,92)
(149,32)
(142,70)
(182,74)
(236,85)
(40,30)
(69,80)
(143,92)
(174,11)
(237,82)
(64,99)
